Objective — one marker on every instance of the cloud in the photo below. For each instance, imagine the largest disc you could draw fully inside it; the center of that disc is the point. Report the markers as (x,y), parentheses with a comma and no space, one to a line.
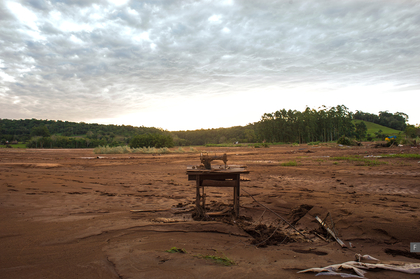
(81,60)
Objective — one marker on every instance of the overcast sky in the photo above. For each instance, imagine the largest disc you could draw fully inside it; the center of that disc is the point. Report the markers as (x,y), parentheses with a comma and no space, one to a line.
(182,65)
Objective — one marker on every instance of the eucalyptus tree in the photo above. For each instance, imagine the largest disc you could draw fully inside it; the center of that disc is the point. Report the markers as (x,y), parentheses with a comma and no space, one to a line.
(327,124)
(361,130)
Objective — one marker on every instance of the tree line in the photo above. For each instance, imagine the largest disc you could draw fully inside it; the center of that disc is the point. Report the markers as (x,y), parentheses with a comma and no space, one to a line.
(65,134)
(288,126)
(21,129)
(67,142)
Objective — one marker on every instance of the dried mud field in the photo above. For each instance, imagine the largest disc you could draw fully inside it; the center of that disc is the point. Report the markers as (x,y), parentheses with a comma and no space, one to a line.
(72,214)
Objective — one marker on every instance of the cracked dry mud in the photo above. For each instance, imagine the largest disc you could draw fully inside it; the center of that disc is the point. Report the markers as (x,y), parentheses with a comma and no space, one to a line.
(66,213)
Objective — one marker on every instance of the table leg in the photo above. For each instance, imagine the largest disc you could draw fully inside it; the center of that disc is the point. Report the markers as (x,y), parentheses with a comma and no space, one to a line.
(236,193)
(199,198)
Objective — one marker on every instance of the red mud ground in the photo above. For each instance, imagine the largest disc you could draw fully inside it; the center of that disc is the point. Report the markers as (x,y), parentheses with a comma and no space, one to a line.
(66,213)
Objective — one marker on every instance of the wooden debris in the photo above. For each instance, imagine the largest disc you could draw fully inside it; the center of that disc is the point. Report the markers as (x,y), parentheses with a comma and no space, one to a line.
(320,236)
(223,212)
(331,232)
(147,210)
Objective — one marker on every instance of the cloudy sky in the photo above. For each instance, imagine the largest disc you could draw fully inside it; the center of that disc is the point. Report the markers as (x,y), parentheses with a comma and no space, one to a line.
(183,65)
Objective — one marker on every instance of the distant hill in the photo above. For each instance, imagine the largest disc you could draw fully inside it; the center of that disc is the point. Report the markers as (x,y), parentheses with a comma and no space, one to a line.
(397,120)
(92,135)
(373,128)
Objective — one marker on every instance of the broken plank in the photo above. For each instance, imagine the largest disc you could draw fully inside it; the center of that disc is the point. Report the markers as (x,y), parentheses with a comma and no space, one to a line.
(331,232)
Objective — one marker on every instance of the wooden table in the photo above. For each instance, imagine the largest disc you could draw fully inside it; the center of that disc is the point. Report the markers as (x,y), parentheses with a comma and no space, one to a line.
(216,177)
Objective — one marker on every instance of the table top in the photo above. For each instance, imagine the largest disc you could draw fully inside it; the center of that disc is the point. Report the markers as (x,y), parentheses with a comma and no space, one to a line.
(231,169)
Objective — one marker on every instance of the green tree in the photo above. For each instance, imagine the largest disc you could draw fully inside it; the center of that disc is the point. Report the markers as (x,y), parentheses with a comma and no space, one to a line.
(379,134)
(361,130)
(411,131)
(41,131)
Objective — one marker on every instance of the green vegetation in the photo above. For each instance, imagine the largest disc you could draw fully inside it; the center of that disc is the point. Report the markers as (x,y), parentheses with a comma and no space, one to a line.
(412,132)
(280,127)
(112,150)
(373,128)
(372,163)
(155,140)
(64,142)
(347,158)
(64,134)
(277,143)
(259,145)
(406,156)
(395,121)
(22,130)
(289,164)
(356,158)
(345,141)
(314,143)
(215,136)
(19,145)
(40,131)
(361,130)
(326,124)
(219,260)
(176,250)
(223,260)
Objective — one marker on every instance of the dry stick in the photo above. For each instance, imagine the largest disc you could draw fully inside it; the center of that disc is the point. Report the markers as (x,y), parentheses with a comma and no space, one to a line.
(262,215)
(276,215)
(332,225)
(328,214)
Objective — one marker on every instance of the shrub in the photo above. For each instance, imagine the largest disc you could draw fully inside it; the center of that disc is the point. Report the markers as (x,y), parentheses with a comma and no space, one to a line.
(258,145)
(164,150)
(176,250)
(344,141)
(289,164)
(111,150)
(314,143)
